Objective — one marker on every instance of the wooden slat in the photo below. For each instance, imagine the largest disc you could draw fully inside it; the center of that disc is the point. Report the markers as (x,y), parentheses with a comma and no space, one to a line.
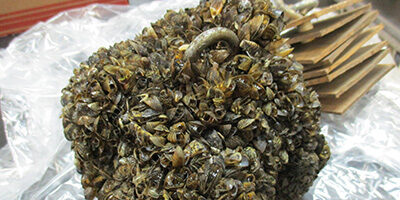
(323,11)
(328,60)
(361,55)
(325,26)
(353,48)
(314,51)
(340,105)
(344,82)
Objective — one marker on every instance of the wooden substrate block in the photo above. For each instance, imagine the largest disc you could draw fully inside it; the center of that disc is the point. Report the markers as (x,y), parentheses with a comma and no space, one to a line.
(340,105)
(326,26)
(323,11)
(361,55)
(344,82)
(313,52)
(360,40)
(328,60)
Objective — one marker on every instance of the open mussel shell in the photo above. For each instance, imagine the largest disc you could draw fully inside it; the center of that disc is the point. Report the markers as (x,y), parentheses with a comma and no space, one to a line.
(204,104)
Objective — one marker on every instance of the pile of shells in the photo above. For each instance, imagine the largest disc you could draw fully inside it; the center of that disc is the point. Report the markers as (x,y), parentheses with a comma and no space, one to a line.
(204,104)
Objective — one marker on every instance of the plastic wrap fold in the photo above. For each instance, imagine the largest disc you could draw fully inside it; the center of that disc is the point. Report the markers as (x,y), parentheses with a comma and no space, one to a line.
(37,162)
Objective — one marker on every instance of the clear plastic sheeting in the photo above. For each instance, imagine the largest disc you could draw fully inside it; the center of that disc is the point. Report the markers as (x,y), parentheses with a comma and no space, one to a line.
(37,162)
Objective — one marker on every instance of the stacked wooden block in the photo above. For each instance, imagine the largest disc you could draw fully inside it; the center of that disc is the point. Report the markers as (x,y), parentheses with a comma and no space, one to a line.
(337,62)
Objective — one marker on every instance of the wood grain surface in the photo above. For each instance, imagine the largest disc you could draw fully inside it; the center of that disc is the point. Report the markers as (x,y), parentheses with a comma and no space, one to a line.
(344,82)
(325,26)
(346,54)
(340,105)
(360,56)
(314,51)
(323,11)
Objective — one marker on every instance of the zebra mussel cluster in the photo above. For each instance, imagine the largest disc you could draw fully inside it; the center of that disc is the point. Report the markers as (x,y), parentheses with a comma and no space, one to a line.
(205,103)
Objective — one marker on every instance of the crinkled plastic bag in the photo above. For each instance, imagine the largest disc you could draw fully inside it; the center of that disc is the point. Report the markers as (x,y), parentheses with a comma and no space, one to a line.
(37,162)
